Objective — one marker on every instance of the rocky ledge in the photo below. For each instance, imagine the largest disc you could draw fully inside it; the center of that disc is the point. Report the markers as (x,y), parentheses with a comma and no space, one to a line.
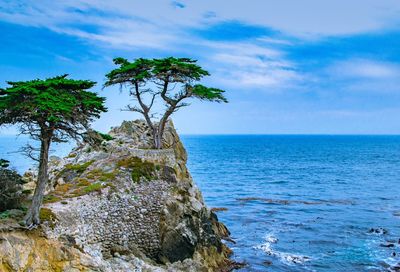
(115,204)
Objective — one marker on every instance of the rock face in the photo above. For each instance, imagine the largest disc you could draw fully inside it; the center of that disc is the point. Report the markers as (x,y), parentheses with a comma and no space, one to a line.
(121,206)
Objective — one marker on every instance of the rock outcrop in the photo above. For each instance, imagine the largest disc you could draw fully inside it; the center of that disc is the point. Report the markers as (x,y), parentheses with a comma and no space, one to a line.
(118,205)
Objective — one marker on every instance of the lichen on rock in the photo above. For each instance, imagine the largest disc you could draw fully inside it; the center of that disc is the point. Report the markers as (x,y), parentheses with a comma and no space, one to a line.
(123,207)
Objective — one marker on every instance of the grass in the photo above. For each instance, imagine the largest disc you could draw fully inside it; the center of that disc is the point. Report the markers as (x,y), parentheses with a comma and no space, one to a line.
(139,169)
(79,168)
(82,182)
(92,181)
(93,187)
(51,199)
(101,175)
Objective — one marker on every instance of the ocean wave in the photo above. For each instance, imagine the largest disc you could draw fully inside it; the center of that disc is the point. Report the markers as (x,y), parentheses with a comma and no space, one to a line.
(287,258)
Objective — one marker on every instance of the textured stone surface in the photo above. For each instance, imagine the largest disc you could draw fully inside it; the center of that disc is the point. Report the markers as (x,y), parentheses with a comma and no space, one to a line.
(114,222)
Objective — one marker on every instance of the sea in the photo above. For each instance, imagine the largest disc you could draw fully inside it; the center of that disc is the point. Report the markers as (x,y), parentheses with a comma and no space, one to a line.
(294,202)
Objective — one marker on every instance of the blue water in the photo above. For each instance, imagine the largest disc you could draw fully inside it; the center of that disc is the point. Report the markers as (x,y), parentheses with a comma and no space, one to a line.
(337,188)
(11,149)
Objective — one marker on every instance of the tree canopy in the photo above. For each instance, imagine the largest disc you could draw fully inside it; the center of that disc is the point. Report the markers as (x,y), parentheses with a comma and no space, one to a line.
(175,80)
(58,104)
(49,110)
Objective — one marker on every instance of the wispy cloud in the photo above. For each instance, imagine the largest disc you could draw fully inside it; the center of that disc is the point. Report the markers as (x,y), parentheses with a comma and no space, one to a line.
(245,65)
(365,69)
(315,58)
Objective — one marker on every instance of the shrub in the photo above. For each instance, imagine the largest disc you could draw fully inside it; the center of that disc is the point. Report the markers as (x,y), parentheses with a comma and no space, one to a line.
(105,136)
(10,188)
(4,163)
(79,168)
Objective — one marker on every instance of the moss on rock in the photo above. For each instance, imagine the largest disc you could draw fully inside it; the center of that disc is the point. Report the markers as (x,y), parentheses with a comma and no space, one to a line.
(80,168)
(139,168)
(46,215)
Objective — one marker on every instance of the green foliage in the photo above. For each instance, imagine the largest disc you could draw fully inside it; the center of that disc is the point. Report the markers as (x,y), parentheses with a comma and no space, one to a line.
(139,169)
(99,174)
(4,163)
(105,136)
(210,94)
(178,69)
(171,70)
(139,71)
(171,80)
(11,193)
(72,155)
(93,187)
(51,199)
(5,215)
(87,188)
(59,106)
(79,168)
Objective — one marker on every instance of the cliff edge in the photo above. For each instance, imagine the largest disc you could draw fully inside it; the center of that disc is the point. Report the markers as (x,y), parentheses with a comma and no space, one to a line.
(114,204)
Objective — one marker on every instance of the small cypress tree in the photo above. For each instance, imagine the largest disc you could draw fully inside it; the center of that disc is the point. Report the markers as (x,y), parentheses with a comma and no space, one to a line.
(172,80)
(50,110)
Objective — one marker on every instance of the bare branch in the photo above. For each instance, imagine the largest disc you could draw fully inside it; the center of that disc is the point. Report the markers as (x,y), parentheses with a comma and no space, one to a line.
(133,108)
(30,151)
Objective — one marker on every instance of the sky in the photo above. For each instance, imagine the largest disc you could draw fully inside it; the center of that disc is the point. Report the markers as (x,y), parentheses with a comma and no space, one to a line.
(288,67)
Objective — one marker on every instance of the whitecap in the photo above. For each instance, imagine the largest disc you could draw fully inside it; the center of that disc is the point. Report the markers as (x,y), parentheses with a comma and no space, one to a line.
(284,257)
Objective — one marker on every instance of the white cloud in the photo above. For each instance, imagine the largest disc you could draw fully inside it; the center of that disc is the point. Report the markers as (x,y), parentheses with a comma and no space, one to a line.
(160,24)
(244,65)
(154,22)
(366,69)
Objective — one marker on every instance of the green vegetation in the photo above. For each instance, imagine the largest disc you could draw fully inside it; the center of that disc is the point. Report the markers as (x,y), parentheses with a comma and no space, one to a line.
(98,174)
(139,169)
(11,193)
(51,199)
(92,181)
(79,168)
(83,182)
(4,163)
(5,215)
(46,215)
(50,110)
(93,187)
(105,137)
(171,80)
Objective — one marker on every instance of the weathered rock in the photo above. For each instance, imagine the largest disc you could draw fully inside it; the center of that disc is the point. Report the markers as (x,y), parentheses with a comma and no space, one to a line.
(124,207)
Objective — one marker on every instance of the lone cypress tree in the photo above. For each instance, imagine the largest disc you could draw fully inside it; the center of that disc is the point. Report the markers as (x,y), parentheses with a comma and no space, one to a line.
(172,80)
(51,110)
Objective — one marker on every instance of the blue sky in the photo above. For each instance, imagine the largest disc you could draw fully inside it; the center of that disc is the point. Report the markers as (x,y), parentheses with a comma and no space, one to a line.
(288,67)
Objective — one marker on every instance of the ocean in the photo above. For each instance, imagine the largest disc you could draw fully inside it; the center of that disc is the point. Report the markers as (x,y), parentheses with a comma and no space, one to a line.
(294,203)
(304,203)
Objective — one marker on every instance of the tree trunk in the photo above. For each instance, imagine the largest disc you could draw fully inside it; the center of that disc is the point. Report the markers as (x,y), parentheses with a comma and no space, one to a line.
(157,136)
(32,217)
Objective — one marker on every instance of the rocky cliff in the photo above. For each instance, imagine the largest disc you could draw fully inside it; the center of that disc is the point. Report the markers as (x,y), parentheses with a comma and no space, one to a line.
(115,204)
